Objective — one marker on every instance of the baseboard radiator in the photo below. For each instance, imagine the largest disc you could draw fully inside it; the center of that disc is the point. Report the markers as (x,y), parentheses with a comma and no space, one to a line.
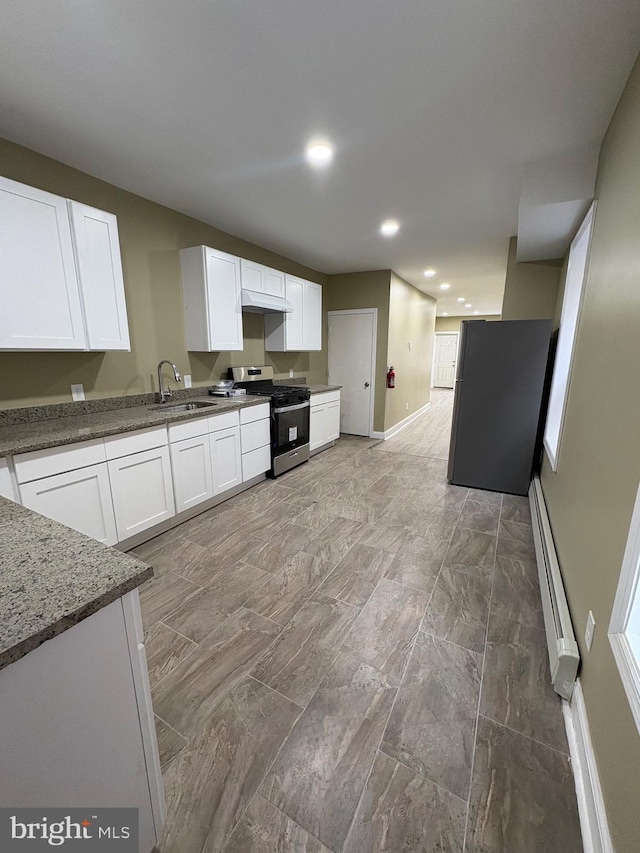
(563,649)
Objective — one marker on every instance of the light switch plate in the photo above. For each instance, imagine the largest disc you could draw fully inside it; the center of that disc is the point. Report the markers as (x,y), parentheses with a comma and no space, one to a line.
(77,393)
(588,633)
(291,373)
(187,380)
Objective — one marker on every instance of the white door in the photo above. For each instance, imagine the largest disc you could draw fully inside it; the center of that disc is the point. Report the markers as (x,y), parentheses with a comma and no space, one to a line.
(142,491)
(352,358)
(39,288)
(80,499)
(331,424)
(224,301)
(316,427)
(226,461)
(191,465)
(444,360)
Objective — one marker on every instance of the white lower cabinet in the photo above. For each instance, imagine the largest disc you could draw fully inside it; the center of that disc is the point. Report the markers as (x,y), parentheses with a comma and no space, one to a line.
(142,490)
(192,476)
(324,419)
(226,459)
(80,499)
(255,462)
(6,486)
(255,438)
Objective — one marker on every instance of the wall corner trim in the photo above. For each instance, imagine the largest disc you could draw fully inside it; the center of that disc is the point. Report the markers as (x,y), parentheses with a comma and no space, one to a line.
(593,816)
(395,429)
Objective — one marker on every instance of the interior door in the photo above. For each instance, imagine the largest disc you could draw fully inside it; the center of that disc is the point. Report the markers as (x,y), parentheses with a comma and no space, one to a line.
(351,345)
(444,362)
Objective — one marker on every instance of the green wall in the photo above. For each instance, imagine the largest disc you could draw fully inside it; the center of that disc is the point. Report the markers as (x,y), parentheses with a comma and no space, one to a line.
(530,289)
(590,498)
(150,238)
(452,324)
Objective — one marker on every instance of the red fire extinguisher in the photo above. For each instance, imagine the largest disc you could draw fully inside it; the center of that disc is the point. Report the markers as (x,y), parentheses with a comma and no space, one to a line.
(391,378)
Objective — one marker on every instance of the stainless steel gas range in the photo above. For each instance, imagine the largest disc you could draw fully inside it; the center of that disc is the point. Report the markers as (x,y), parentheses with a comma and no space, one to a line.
(289,415)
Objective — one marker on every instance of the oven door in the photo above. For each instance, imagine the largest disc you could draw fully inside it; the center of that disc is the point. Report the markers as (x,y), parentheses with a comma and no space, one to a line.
(289,427)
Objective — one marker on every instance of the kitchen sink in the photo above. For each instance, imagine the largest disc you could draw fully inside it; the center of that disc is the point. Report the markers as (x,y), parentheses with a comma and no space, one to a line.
(184,407)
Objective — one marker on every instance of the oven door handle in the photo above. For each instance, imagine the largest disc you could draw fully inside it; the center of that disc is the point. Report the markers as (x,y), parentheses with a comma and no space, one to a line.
(291,408)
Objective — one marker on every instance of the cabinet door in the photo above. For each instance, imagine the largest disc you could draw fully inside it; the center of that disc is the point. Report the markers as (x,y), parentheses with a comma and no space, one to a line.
(252,276)
(225,459)
(312,316)
(331,424)
(80,499)
(6,486)
(316,427)
(97,248)
(294,323)
(224,307)
(142,491)
(273,282)
(41,307)
(191,466)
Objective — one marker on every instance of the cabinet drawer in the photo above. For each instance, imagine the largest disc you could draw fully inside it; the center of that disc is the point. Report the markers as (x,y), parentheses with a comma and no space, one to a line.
(135,442)
(254,413)
(254,435)
(57,460)
(325,397)
(188,429)
(225,420)
(255,462)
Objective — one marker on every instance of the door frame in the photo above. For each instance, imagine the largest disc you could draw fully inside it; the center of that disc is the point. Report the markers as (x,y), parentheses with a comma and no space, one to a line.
(374,342)
(433,358)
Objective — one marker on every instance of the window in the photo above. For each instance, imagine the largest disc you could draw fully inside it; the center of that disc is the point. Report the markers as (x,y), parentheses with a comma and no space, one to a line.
(624,630)
(576,273)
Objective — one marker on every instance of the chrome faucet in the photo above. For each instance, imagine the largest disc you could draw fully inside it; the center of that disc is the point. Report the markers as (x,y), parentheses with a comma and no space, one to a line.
(166,395)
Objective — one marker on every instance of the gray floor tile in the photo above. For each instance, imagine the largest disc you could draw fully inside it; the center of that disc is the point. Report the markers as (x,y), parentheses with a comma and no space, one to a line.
(165,649)
(265,829)
(516,688)
(484,496)
(320,772)
(432,726)
(417,562)
(471,548)
(169,742)
(271,556)
(356,576)
(162,595)
(383,632)
(515,540)
(213,778)
(522,796)
(401,811)
(516,508)
(459,609)
(299,659)
(480,516)
(334,542)
(516,591)
(192,691)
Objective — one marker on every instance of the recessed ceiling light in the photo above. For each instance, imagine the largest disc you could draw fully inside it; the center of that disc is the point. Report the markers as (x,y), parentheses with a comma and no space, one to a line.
(445,285)
(445,313)
(461,298)
(476,312)
(319,153)
(467,305)
(429,273)
(389,228)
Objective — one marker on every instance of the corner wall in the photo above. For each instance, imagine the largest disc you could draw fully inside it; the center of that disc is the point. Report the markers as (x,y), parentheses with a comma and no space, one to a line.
(530,290)
(591,496)
(150,238)
(452,324)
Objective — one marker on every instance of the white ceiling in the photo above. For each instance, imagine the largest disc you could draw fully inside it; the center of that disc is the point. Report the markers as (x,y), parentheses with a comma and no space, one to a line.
(436,109)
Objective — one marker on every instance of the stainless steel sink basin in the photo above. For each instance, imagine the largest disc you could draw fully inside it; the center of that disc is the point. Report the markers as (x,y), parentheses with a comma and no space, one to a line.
(184,407)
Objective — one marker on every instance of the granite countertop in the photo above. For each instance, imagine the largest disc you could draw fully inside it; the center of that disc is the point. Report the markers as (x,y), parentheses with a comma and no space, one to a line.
(55,431)
(320,389)
(53,578)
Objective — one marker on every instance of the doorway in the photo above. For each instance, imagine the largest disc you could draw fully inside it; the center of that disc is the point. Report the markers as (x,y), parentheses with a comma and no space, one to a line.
(445,356)
(352,361)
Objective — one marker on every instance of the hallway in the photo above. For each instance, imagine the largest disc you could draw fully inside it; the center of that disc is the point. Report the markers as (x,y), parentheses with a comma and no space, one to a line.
(352,658)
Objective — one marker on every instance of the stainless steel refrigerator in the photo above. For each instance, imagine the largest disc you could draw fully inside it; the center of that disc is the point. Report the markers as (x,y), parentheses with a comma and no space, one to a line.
(499,394)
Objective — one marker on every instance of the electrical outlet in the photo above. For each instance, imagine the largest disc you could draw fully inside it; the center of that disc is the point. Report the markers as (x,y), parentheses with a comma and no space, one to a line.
(77,393)
(588,633)
(406,407)
(187,380)
(291,373)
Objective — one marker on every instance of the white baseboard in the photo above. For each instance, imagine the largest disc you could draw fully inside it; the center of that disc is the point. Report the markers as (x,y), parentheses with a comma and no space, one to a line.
(593,816)
(395,429)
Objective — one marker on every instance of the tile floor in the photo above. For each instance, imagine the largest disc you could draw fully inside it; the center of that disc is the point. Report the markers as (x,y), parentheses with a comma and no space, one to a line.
(352,658)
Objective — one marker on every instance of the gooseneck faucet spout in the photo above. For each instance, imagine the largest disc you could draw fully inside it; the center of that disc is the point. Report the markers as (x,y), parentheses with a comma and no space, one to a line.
(166,395)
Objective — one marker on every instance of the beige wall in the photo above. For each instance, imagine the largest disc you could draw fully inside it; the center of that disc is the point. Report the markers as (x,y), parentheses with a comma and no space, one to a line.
(150,237)
(452,324)
(530,290)
(366,290)
(590,498)
(411,322)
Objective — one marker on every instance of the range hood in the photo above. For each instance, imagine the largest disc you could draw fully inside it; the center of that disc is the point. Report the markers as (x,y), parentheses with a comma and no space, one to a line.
(264,303)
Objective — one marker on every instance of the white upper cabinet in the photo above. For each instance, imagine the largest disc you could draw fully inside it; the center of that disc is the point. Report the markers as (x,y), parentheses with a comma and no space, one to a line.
(212,300)
(301,329)
(62,285)
(41,307)
(261,279)
(97,248)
